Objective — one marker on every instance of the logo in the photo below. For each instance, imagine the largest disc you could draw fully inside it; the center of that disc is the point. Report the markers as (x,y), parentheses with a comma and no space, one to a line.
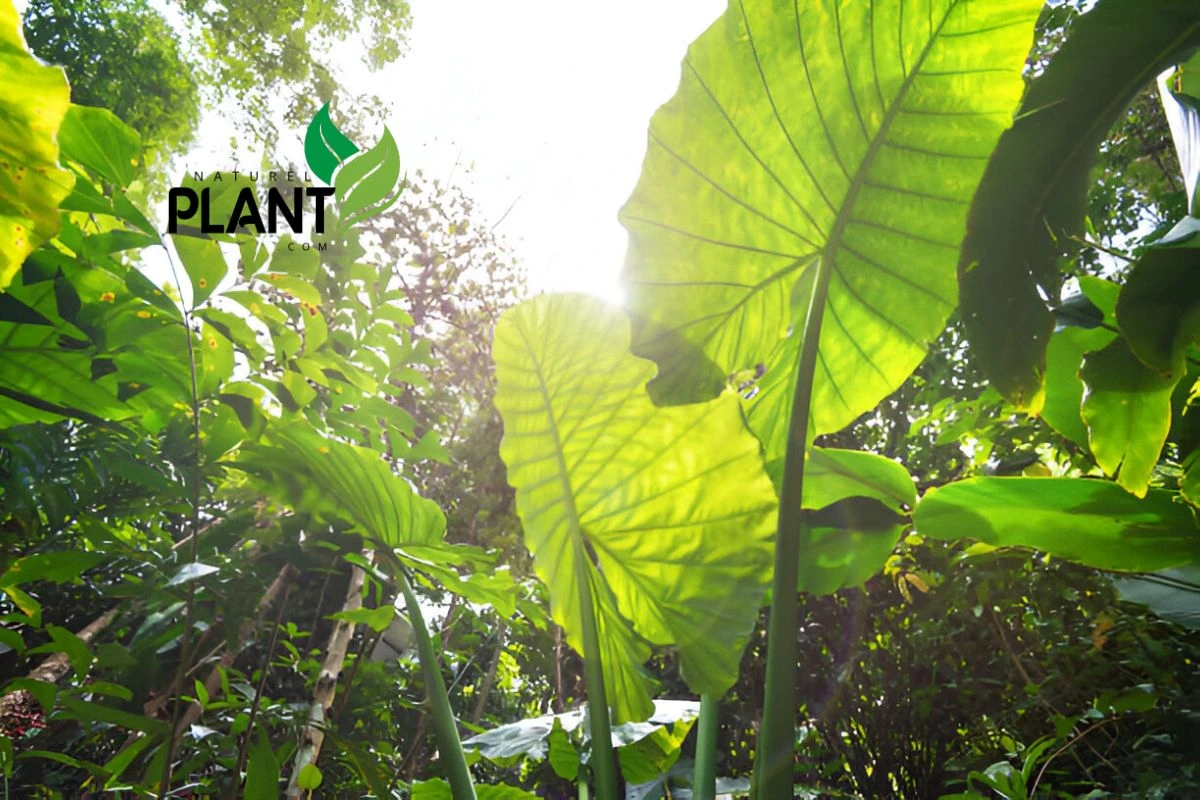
(362,184)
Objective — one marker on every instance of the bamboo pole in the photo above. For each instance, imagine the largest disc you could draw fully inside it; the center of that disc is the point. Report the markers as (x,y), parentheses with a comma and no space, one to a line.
(313,736)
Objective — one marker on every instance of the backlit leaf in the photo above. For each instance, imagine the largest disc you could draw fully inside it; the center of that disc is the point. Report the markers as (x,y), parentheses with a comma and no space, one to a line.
(99,141)
(32,106)
(669,507)
(819,155)
(1092,522)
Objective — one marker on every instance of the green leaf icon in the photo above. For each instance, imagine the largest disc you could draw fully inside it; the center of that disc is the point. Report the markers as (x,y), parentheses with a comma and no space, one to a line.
(325,146)
(366,185)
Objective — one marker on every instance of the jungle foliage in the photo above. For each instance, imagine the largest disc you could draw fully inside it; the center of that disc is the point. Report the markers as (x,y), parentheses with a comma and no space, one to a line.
(883,481)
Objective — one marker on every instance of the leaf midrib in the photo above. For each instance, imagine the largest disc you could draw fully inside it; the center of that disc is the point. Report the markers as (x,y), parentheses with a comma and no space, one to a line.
(845,213)
(564,478)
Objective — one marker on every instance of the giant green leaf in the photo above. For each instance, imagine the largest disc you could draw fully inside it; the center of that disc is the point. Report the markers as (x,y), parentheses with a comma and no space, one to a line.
(1033,195)
(1093,522)
(1064,389)
(1172,594)
(1159,306)
(833,475)
(348,482)
(47,364)
(32,104)
(856,503)
(1127,410)
(668,510)
(1086,324)
(817,155)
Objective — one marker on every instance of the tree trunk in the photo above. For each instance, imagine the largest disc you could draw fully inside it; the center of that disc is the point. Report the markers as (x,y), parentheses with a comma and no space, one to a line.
(489,679)
(51,670)
(335,656)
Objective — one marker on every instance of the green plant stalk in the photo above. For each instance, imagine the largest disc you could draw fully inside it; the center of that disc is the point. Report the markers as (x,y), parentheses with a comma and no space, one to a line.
(777,737)
(603,760)
(704,779)
(444,725)
(185,647)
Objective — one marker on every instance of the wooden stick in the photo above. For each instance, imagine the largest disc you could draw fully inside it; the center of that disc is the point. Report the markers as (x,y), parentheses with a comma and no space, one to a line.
(313,736)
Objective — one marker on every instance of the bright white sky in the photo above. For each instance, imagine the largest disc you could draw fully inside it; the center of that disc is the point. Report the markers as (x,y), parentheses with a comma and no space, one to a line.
(541,102)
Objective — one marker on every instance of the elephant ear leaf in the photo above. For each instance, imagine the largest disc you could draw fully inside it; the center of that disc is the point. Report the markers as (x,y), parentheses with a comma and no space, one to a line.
(817,165)
(667,511)
(319,475)
(326,147)
(1033,198)
(32,107)
(1092,522)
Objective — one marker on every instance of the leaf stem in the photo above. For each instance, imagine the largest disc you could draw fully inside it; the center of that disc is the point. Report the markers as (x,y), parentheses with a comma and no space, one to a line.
(704,779)
(777,738)
(603,761)
(444,726)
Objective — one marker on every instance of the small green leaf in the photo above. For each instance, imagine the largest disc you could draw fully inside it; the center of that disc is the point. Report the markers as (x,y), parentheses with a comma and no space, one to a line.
(563,757)
(57,567)
(190,572)
(120,762)
(297,287)
(1064,388)
(96,712)
(204,264)
(309,778)
(98,140)
(64,641)
(26,604)
(326,147)
(290,258)
(201,694)
(343,481)
(377,619)
(215,357)
(833,475)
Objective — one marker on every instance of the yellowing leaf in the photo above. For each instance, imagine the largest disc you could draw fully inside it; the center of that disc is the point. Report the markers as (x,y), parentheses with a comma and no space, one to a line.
(32,105)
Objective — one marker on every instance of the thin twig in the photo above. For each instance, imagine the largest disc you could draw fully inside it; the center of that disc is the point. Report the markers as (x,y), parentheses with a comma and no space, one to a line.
(1063,749)
(262,682)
